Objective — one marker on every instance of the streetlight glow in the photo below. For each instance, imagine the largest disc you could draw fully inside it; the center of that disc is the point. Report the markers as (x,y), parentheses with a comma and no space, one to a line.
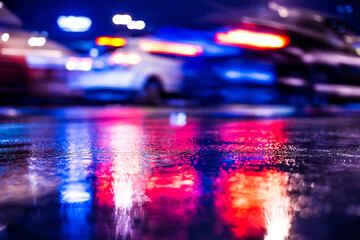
(119,19)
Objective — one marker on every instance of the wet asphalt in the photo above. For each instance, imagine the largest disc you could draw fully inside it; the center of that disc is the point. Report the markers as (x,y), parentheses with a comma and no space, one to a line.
(143,173)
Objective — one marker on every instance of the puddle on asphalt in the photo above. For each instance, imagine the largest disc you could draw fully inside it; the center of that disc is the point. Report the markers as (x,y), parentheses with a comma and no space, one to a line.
(180,178)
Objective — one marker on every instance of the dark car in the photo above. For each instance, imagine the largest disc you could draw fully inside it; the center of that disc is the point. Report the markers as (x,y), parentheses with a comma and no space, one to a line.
(31,64)
(325,61)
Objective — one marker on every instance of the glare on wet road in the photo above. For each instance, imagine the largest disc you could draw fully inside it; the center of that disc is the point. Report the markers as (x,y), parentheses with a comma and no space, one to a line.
(174,175)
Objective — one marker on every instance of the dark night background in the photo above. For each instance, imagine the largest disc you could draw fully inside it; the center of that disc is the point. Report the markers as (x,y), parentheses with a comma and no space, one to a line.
(41,15)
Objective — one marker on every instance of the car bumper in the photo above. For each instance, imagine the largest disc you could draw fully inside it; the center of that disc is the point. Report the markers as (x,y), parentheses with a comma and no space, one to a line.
(103,81)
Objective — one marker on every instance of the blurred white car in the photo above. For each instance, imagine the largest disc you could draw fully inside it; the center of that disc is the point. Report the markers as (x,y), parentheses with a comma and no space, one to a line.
(153,67)
(147,67)
(128,69)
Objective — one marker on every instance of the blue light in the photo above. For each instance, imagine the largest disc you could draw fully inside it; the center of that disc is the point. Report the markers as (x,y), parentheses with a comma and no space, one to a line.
(249,76)
(349,9)
(94,52)
(340,8)
(74,23)
(248,72)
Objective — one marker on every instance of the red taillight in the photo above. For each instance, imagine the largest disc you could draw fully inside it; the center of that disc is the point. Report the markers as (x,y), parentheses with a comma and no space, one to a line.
(125,58)
(181,49)
(252,39)
(111,41)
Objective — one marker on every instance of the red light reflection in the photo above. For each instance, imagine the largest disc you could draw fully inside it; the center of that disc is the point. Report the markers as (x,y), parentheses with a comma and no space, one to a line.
(111,41)
(162,191)
(154,179)
(104,192)
(173,185)
(258,142)
(255,203)
(176,183)
(252,39)
(182,49)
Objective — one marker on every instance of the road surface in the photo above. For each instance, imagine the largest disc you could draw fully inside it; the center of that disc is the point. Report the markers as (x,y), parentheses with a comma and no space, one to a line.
(142,173)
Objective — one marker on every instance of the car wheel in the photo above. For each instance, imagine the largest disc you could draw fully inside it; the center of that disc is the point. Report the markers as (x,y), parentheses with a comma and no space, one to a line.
(321,75)
(151,94)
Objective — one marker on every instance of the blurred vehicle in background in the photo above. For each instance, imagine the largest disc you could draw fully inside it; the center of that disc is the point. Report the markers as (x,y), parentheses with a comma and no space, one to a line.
(184,62)
(325,46)
(285,56)
(271,54)
(146,67)
(31,65)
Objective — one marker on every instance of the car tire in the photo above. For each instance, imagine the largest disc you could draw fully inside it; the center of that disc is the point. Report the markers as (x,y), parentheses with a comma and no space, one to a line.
(151,94)
(321,74)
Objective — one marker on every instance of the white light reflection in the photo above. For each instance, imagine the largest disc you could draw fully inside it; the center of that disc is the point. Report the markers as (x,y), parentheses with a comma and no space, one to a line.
(79,64)
(36,41)
(2,228)
(42,62)
(136,25)
(337,89)
(76,193)
(74,23)
(177,119)
(277,209)
(5,37)
(33,178)
(37,52)
(119,19)
(283,12)
(127,184)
